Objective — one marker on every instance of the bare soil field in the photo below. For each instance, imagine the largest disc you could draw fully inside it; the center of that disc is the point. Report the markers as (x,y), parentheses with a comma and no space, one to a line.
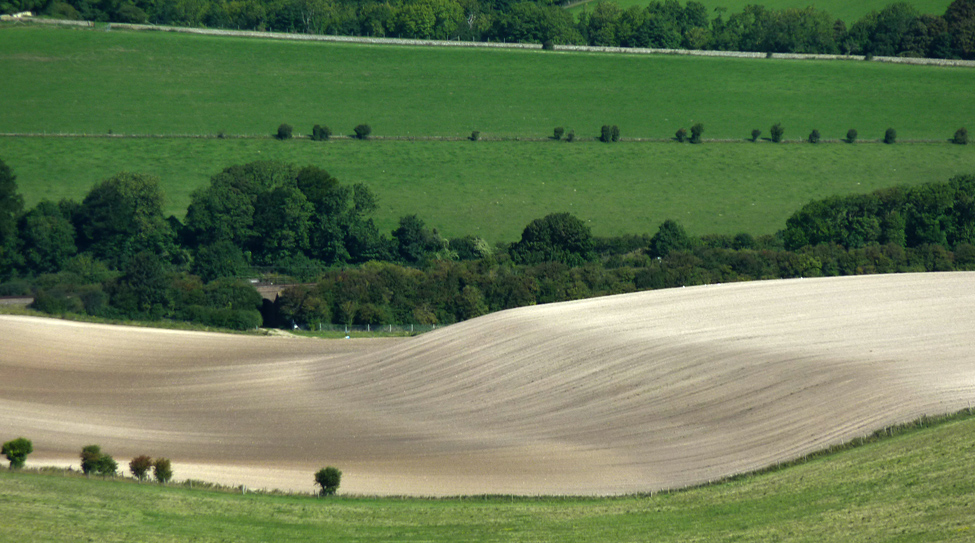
(611,395)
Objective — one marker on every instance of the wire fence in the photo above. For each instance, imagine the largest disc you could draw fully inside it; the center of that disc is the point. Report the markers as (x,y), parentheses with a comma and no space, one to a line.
(369,328)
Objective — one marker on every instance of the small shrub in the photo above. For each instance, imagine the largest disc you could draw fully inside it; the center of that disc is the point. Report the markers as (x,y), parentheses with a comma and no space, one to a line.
(284,132)
(475,135)
(548,45)
(140,466)
(557,134)
(162,469)
(571,136)
(776,132)
(16,451)
(696,132)
(890,136)
(362,131)
(93,461)
(615,133)
(605,133)
(329,479)
(814,136)
(961,136)
(221,135)
(755,134)
(320,133)
(851,136)
(681,135)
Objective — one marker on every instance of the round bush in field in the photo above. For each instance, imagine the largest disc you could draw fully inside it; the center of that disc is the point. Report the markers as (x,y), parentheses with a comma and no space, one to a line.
(284,132)
(557,134)
(814,136)
(777,132)
(961,136)
(755,134)
(140,466)
(362,131)
(16,451)
(890,136)
(328,479)
(162,469)
(851,136)
(681,135)
(696,132)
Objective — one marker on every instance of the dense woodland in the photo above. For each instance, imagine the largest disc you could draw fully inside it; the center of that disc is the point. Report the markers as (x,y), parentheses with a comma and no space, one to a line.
(898,30)
(115,255)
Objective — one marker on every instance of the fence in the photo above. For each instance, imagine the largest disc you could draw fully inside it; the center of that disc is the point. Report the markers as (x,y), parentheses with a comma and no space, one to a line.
(370,328)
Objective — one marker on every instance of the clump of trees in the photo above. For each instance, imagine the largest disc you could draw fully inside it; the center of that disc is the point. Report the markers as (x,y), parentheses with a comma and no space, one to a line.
(320,133)
(328,479)
(95,462)
(16,451)
(609,133)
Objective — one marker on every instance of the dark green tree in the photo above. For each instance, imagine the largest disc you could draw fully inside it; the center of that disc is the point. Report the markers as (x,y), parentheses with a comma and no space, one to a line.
(681,135)
(47,238)
(140,466)
(777,132)
(755,134)
(890,136)
(362,131)
(415,241)
(284,132)
(143,290)
(670,237)
(557,133)
(16,451)
(559,237)
(95,462)
(123,216)
(851,136)
(606,133)
(162,469)
(11,205)
(328,479)
(814,136)
(220,259)
(614,133)
(960,137)
(281,224)
(696,132)
(320,133)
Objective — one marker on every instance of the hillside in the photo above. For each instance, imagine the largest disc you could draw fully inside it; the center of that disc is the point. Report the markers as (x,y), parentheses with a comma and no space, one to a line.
(611,395)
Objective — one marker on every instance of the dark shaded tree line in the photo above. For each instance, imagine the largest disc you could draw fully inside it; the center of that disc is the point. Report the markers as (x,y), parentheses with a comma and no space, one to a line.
(897,30)
(114,255)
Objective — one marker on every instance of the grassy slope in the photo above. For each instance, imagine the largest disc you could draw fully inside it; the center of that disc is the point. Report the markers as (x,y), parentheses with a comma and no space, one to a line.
(840,9)
(494,189)
(87,81)
(914,487)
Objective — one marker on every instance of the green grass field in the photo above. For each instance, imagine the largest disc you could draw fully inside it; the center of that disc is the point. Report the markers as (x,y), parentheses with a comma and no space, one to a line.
(84,81)
(840,9)
(494,189)
(915,487)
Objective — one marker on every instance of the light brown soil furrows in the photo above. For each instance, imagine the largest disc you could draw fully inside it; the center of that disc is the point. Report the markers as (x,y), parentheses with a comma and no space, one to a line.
(611,395)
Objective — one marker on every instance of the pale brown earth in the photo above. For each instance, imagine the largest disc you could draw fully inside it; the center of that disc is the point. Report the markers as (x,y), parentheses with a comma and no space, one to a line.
(610,395)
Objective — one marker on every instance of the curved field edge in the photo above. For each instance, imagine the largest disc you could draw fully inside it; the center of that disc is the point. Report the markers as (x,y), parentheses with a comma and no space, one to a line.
(613,395)
(494,189)
(82,81)
(917,486)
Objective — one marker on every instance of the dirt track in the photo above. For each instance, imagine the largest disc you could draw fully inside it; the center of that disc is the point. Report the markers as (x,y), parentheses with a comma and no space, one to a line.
(610,395)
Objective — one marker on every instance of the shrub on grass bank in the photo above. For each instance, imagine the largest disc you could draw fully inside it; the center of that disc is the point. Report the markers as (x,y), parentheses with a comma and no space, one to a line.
(16,451)
(776,132)
(756,134)
(814,136)
(696,132)
(284,132)
(851,136)
(475,135)
(329,479)
(961,136)
(681,135)
(571,136)
(362,131)
(320,133)
(140,466)
(557,134)
(608,133)
(890,136)
(95,462)
(162,469)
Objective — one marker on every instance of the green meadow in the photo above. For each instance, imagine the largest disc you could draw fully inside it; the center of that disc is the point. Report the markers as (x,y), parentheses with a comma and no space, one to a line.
(93,81)
(494,188)
(848,11)
(914,487)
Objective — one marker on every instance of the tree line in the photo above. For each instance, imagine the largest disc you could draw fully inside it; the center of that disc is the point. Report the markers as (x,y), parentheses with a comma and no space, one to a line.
(115,255)
(897,30)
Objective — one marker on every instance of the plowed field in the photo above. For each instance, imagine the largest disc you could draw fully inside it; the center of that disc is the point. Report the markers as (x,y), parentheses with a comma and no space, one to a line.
(603,396)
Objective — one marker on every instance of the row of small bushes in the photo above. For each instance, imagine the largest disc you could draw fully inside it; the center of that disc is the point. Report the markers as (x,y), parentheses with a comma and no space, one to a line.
(95,462)
(322,133)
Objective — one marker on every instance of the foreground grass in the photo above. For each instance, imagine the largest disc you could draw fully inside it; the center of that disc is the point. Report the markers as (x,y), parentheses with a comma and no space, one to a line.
(493,189)
(86,81)
(917,486)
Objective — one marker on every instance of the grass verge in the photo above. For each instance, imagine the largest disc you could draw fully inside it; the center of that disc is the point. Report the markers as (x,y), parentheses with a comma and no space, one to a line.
(914,486)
